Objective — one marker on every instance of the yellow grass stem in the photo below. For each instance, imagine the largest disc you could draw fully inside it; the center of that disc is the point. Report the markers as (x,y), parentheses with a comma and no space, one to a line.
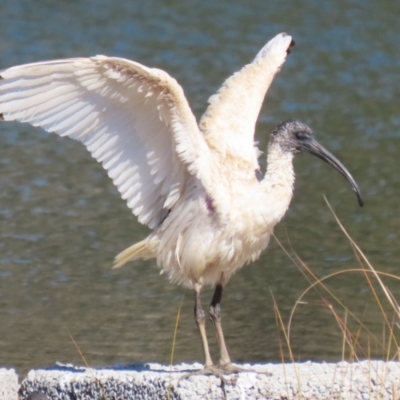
(385,290)
(282,325)
(87,366)
(171,361)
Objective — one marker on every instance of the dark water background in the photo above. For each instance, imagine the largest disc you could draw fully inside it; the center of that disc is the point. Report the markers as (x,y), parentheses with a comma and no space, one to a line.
(62,221)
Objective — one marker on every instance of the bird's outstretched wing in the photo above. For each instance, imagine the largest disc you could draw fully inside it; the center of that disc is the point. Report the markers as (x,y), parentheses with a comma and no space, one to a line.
(133,119)
(229,121)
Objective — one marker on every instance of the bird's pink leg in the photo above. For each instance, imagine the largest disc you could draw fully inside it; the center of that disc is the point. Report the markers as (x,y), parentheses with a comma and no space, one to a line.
(215,315)
(225,364)
(201,323)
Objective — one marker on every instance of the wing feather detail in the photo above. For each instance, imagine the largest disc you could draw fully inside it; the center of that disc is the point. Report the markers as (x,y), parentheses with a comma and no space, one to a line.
(230,119)
(134,120)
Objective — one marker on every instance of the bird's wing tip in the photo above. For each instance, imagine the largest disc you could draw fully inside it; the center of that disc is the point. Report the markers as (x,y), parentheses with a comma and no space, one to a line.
(278,46)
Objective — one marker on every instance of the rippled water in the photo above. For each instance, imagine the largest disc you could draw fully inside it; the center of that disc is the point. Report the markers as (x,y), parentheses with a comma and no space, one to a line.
(62,221)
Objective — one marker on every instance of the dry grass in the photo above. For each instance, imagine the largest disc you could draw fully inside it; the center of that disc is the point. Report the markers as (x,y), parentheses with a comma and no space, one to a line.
(352,349)
(98,383)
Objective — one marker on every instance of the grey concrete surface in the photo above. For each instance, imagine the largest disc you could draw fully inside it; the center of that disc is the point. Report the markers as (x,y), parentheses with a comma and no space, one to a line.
(8,384)
(356,381)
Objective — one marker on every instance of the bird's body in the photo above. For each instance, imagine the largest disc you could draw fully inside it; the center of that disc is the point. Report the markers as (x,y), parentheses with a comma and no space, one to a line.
(197,186)
(198,241)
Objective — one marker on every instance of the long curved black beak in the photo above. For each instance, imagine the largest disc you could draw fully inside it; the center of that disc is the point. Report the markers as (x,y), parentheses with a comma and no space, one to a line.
(313,147)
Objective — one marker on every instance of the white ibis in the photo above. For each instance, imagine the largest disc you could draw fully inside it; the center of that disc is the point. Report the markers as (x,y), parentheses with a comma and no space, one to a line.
(198,186)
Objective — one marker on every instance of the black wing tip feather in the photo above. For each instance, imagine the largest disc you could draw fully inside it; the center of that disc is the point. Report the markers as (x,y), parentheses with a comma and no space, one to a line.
(292,44)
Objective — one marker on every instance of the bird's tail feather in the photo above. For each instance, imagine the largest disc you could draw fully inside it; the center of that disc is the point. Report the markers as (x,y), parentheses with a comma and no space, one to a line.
(144,249)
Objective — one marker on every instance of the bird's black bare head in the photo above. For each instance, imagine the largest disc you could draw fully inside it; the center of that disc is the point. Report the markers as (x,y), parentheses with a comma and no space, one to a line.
(296,137)
(290,135)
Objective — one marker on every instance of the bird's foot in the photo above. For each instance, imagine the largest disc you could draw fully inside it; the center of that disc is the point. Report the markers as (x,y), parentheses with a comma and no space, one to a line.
(220,370)
(234,369)
(230,368)
(217,370)
(206,370)
(211,370)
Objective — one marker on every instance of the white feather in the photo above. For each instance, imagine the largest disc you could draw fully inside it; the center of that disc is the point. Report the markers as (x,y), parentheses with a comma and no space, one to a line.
(98,102)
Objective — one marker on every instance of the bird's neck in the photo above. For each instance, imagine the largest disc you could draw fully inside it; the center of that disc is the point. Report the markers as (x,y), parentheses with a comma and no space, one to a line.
(278,182)
(279,164)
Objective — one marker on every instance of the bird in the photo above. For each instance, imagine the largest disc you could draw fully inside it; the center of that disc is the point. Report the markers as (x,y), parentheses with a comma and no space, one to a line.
(197,185)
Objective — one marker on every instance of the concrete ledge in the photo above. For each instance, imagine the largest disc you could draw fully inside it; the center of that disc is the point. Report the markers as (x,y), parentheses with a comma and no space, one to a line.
(8,384)
(364,380)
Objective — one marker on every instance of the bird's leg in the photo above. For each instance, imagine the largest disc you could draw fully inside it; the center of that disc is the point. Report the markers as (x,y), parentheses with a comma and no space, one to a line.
(201,323)
(225,363)
(209,368)
(215,315)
